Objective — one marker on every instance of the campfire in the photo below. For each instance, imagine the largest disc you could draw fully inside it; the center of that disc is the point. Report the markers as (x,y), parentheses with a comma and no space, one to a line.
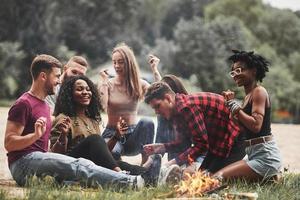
(196,185)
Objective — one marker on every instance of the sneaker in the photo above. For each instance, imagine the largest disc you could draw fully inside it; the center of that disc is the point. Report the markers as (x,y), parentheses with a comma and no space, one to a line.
(170,175)
(151,175)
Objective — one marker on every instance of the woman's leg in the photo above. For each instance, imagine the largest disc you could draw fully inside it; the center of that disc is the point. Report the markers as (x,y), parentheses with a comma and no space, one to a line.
(239,169)
(142,134)
(118,148)
(95,149)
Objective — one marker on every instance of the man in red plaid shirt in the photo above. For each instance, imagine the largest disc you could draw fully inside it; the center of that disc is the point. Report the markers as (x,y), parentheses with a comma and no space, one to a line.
(201,117)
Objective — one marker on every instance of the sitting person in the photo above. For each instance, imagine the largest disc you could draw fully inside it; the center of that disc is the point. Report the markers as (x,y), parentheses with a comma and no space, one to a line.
(254,117)
(120,96)
(204,119)
(27,138)
(76,128)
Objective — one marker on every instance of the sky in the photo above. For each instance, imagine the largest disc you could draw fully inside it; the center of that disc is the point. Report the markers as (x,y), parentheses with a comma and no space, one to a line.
(291,4)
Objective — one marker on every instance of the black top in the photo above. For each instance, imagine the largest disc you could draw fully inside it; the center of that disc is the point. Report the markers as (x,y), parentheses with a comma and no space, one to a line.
(266,125)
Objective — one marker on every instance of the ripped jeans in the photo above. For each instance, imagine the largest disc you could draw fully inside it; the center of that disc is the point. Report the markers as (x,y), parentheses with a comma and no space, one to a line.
(66,169)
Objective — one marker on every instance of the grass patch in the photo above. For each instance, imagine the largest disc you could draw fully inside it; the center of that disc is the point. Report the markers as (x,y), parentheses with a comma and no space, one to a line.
(287,189)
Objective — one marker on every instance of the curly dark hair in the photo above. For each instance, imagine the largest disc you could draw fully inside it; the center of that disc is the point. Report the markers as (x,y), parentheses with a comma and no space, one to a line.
(251,60)
(65,102)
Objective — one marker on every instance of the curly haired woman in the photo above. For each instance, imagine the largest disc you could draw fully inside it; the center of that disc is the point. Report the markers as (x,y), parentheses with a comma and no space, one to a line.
(254,118)
(76,128)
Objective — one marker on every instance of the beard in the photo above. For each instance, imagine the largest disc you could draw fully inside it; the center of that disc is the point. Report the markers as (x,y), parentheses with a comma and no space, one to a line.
(50,89)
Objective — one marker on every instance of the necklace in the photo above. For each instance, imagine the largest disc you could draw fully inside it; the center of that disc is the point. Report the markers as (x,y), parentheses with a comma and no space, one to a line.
(120,88)
(85,122)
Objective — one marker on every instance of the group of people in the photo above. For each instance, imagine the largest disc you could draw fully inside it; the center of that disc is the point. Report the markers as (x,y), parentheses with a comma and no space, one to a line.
(201,131)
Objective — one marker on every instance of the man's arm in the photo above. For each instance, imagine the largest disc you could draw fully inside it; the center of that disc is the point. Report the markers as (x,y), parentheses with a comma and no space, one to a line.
(15,141)
(196,127)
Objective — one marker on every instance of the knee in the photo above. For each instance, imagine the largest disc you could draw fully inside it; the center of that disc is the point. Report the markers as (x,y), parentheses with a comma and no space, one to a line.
(95,138)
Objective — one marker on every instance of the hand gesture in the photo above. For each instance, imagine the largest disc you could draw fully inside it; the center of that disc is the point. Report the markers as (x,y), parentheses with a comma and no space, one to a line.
(228,95)
(122,127)
(40,126)
(153,61)
(157,148)
(104,75)
(64,125)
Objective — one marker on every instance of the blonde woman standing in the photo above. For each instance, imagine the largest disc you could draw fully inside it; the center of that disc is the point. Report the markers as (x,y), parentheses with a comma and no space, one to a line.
(120,96)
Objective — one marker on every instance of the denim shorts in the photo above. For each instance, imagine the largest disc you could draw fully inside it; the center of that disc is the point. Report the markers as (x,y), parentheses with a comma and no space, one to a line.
(264,159)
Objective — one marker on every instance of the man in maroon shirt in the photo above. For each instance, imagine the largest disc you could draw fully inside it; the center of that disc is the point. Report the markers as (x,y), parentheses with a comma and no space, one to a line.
(202,117)
(27,134)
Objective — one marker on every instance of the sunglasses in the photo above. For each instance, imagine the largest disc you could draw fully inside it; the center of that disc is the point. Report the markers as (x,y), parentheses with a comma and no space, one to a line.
(236,72)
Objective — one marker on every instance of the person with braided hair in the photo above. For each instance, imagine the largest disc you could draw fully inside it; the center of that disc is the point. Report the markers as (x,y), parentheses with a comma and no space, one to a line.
(254,118)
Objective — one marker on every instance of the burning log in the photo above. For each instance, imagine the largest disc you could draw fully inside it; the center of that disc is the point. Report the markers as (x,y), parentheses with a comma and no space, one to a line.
(196,185)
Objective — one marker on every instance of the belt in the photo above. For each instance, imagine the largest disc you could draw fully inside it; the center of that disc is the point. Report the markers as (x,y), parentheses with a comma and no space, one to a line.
(258,140)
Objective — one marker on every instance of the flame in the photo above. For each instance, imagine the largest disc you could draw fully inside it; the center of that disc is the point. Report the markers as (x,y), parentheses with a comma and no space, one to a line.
(196,185)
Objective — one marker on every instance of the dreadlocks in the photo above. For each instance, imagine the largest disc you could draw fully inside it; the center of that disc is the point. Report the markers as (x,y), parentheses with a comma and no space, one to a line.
(251,60)
(65,101)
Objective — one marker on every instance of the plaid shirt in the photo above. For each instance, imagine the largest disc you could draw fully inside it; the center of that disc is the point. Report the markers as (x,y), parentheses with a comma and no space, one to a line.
(205,119)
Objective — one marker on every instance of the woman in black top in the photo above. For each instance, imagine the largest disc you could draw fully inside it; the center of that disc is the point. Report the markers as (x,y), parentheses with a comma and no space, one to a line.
(253,116)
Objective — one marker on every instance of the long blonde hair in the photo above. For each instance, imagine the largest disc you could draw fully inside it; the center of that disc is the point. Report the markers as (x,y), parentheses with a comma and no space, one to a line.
(132,71)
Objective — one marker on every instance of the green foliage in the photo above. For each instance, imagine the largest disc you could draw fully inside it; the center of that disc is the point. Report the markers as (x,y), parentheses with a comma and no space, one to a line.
(181,9)
(247,11)
(11,57)
(283,34)
(204,47)
(293,64)
(192,39)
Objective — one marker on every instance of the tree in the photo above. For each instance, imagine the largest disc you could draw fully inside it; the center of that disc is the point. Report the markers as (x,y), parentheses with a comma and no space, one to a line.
(293,63)
(181,9)
(11,57)
(204,48)
(283,34)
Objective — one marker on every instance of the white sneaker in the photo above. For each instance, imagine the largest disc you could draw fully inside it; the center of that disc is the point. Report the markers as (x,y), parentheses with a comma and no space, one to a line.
(169,175)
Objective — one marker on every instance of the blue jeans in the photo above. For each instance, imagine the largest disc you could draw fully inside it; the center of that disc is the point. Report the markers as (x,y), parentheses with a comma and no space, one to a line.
(66,168)
(136,137)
